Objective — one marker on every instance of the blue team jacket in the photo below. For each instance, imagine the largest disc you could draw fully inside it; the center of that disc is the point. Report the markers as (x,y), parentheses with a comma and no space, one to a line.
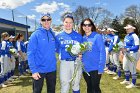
(96,57)
(41,51)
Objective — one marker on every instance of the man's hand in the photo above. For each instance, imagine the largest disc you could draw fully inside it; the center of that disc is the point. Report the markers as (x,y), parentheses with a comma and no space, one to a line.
(36,76)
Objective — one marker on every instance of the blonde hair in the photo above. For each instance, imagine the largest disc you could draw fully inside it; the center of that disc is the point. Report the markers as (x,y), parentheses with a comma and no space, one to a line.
(3,35)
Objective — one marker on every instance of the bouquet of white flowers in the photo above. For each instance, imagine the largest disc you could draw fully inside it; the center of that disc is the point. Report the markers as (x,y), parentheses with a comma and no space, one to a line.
(13,51)
(118,46)
(75,50)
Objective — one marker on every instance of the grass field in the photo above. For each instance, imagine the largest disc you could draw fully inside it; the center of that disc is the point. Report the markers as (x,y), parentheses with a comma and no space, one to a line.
(108,85)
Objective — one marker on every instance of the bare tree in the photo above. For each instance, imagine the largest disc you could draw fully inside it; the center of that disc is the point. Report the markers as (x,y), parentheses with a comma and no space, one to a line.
(80,13)
(133,12)
(105,18)
(97,14)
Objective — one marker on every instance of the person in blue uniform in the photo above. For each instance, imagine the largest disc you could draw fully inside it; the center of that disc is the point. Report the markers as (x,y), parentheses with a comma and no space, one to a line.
(131,47)
(21,51)
(94,58)
(107,41)
(41,56)
(67,65)
(114,55)
(12,63)
(4,59)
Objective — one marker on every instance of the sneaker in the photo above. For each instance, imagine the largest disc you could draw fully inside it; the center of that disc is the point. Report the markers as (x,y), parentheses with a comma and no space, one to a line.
(111,73)
(130,86)
(105,69)
(125,82)
(14,77)
(116,77)
(108,71)
(3,85)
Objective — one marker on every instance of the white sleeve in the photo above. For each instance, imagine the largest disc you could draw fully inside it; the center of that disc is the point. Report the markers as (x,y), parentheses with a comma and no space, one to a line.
(18,46)
(115,40)
(136,39)
(3,45)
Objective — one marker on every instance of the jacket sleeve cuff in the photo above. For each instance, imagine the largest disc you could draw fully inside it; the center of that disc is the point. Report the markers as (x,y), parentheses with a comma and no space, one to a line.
(100,71)
(34,71)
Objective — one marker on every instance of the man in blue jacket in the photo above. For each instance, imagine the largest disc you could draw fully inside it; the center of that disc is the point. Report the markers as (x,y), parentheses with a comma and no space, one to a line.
(41,56)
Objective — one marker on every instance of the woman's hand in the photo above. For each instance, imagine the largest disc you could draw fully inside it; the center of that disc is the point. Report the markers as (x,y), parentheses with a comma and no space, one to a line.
(123,50)
(80,56)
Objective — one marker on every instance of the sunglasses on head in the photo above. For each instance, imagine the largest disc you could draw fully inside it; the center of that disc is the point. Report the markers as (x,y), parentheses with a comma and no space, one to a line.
(89,25)
(44,20)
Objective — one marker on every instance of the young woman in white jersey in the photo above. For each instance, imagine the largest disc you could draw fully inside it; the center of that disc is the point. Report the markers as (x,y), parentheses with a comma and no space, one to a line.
(4,59)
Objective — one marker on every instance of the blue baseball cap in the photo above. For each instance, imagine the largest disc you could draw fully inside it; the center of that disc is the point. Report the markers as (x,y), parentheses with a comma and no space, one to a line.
(46,14)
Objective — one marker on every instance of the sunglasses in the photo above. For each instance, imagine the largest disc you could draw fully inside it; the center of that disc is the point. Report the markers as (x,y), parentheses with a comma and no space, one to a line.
(44,20)
(89,25)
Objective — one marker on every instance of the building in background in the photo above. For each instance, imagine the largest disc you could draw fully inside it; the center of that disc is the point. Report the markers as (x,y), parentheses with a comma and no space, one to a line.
(13,28)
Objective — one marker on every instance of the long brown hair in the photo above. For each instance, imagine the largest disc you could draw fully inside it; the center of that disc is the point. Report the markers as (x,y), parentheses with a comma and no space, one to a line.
(93,28)
(18,36)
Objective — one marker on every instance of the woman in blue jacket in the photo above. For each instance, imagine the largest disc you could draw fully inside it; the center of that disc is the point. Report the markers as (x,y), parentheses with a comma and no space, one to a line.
(94,58)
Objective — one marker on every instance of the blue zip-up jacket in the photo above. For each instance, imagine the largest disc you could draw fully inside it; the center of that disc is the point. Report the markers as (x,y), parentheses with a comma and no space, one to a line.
(131,41)
(95,58)
(64,39)
(41,51)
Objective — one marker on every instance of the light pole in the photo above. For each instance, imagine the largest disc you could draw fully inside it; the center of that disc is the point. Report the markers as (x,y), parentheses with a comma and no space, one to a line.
(13,18)
(27,27)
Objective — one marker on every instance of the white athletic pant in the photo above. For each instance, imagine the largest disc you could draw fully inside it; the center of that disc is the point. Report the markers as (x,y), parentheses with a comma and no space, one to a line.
(107,55)
(114,58)
(13,62)
(66,72)
(130,66)
(4,64)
